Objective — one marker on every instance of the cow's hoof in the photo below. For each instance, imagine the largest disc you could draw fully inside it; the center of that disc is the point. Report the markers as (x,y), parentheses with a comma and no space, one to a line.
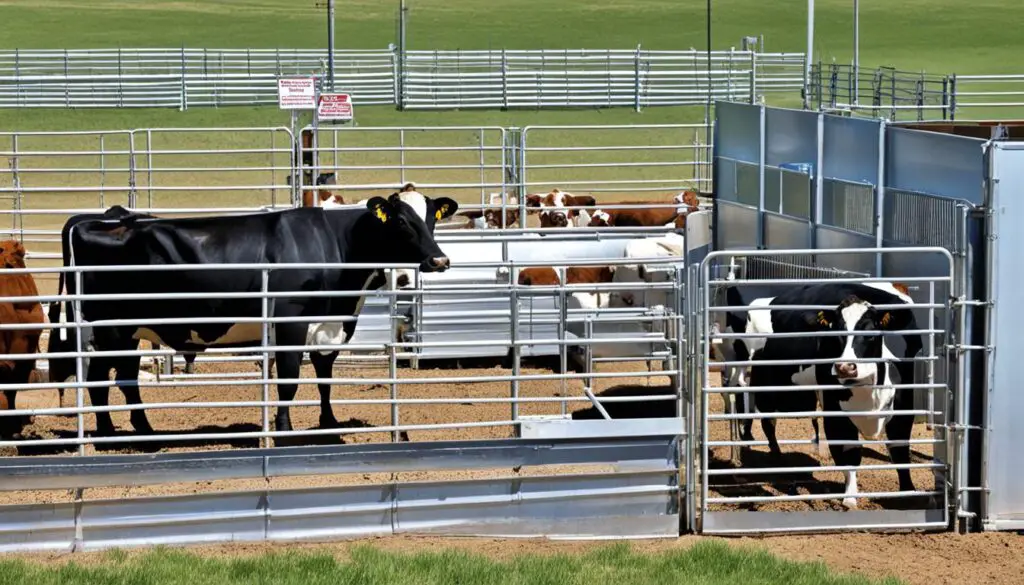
(328,422)
(105,431)
(850,503)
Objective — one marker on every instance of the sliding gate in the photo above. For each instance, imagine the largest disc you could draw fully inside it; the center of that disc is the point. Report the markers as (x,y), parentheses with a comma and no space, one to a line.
(743,488)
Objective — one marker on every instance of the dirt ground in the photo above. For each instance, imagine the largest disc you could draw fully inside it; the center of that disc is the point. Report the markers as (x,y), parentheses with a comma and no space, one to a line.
(918,558)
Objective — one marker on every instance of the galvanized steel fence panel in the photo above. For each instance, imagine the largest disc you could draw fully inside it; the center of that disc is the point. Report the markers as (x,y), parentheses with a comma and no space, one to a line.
(732,505)
(185,77)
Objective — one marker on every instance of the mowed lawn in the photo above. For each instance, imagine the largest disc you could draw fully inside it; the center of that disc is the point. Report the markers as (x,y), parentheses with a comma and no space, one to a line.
(705,563)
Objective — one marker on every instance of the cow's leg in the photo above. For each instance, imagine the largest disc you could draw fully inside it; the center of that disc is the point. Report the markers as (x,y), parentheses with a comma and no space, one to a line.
(746,404)
(323,365)
(768,428)
(99,396)
(899,428)
(288,364)
(126,376)
(840,428)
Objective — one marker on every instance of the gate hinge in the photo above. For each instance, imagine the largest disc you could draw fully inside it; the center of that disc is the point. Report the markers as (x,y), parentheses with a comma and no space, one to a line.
(960,348)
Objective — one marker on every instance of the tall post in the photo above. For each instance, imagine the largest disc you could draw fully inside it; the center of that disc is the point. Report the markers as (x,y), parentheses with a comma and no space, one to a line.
(400,58)
(809,57)
(330,44)
(856,52)
(708,138)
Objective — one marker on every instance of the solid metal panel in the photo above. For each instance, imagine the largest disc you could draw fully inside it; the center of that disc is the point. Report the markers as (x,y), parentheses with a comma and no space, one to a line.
(569,428)
(698,236)
(37,527)
(783,232)
(746,522)
(105,470)
(725,180)
(748,184)
(930,162)
(330,512)
(553,506)
(796,194)
(773,189)
(835,238)
(850,149)
(229,517)
(736,227)
(736,127)
(1004,474)
(791,137)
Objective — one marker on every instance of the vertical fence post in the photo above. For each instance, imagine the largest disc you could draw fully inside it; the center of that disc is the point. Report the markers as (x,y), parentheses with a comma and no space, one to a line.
(133,195)
(880,198)
(19,202)
(636,79)
(753,77)
(265,358)
(760,179)
(819,187)
(392,355)
(80,373)
(184,88)
(563,348)
(513,305)
(952,97)
(149,166)
(504,79)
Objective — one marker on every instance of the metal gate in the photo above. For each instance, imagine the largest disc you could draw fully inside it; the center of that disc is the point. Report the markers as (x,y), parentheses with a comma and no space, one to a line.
(743,488)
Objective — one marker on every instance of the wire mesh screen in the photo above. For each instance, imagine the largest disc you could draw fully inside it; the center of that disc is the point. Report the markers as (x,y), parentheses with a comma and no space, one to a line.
(848,205)
(918,219)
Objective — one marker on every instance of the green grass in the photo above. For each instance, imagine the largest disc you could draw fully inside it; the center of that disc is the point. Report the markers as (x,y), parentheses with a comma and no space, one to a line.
(707,563)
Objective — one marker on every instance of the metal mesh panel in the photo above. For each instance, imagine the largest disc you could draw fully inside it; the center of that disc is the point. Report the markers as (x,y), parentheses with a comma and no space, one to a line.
(792,266)
(918,219)
(848,205)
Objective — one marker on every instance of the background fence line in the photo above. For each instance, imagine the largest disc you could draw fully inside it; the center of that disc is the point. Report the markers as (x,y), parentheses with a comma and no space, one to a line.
(184,77)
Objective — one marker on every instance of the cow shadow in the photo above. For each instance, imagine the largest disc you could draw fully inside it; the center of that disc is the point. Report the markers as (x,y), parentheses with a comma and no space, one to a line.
(634,409)
(152,443)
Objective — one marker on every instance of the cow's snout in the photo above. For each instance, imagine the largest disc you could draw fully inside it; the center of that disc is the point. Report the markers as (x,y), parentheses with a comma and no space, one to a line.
(845,370)
(403,280)
(437,264)
(559,219)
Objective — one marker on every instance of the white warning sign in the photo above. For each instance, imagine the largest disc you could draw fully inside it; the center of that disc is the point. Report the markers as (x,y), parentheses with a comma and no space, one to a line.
(296,93)
(334,107)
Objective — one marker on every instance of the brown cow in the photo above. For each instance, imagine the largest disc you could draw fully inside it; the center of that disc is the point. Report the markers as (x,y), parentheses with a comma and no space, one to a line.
(686,202)
(26,342)
(547,276)
(552,208)
(489,218)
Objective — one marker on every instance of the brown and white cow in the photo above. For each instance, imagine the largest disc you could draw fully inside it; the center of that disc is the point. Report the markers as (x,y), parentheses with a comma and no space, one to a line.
(686,203)
(21,342)
(554,212)
(548,276)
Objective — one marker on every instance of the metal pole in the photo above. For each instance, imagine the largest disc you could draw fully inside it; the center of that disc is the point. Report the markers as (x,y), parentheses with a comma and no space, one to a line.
(856,52)
(400,98)
(330,43)
(810,52)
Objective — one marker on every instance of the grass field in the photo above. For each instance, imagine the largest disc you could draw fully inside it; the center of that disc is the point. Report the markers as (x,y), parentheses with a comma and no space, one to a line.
(706,563)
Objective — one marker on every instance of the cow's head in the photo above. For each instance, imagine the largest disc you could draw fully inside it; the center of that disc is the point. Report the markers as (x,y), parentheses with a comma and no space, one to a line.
(553,212)
(855,315)
(408,218)
(12,254)
(600,219)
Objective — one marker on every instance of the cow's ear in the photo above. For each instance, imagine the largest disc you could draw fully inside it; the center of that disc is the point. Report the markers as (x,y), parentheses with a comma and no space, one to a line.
(533,200)
(820,319)
(893,320)
(380,207)
(444,207)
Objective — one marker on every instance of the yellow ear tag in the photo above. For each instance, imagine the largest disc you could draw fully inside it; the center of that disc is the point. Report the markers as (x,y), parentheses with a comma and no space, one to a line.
(381,215)
(440,212)
(884,321)
(822,320)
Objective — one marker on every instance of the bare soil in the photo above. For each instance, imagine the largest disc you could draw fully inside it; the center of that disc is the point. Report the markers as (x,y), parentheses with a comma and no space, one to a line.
(917,558)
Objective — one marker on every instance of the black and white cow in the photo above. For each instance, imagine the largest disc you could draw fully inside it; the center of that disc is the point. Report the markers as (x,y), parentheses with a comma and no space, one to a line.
(855,312)
(393,230)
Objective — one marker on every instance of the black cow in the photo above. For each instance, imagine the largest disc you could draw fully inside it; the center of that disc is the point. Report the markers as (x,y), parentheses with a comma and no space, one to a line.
(393,230)
(843,296)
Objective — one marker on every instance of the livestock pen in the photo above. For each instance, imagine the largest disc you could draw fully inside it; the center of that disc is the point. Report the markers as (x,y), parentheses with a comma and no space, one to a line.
(511,441)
